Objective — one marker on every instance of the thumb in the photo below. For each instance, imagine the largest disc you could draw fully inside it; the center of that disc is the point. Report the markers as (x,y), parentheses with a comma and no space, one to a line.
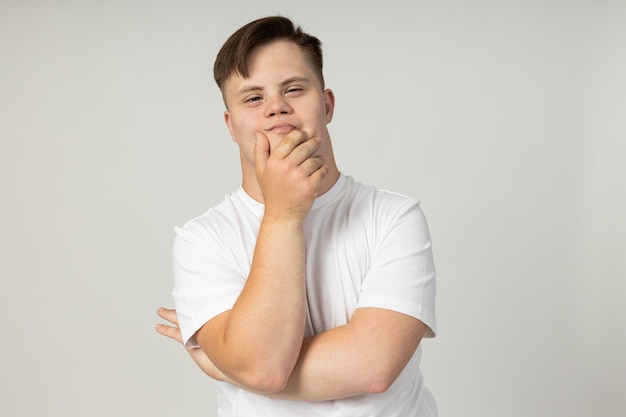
(261,152)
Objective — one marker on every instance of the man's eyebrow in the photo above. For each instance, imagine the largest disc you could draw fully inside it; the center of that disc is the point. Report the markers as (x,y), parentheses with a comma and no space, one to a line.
(297,78)
(251,88)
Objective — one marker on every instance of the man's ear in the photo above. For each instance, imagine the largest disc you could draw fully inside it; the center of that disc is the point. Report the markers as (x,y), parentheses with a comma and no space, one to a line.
(329,104)
(229,125)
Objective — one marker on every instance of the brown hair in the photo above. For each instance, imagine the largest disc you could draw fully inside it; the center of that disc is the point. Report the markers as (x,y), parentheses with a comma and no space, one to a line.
(233,56)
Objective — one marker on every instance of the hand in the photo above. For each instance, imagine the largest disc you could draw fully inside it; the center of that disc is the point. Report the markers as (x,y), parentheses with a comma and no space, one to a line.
(291,175)
(197,354)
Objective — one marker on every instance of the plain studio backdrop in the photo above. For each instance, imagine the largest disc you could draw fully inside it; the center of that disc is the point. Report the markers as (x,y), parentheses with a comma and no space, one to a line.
(506,118)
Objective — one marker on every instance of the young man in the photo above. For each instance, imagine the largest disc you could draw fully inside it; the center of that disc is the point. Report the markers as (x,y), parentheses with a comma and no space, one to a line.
(304,292)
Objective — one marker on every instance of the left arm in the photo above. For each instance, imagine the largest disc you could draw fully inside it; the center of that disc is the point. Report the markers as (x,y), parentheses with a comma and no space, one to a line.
(364,356)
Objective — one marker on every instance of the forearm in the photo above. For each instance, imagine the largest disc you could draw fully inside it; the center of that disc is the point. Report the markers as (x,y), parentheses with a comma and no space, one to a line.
(321,374)
(363,357)
(257,343)
(261,337)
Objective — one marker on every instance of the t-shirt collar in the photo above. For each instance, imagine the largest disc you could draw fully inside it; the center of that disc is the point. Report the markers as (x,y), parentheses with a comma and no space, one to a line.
(258,208)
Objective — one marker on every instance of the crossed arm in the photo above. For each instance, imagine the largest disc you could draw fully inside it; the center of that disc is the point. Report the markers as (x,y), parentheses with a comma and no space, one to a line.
(259,344)
(363,357)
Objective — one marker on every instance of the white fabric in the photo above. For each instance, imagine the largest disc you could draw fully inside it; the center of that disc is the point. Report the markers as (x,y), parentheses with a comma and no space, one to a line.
(364,247)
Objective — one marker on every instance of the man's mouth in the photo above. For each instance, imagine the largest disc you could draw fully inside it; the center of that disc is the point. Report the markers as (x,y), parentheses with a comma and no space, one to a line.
(283,128)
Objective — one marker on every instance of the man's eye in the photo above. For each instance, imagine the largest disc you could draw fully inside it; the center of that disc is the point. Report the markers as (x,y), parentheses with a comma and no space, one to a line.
(294,89)
(253,99)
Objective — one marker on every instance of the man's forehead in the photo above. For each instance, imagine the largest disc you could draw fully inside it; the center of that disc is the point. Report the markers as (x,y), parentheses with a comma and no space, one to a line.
(269,65)
(275,47)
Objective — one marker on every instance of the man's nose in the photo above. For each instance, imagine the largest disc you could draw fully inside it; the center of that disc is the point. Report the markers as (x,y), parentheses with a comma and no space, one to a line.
(277,105)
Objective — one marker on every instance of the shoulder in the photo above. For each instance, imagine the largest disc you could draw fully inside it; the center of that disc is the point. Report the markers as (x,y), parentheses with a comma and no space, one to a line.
(378,199)
(216,223)
(386,212)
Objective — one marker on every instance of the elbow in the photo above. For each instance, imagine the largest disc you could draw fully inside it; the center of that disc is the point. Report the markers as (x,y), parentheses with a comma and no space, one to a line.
(269,384)
(265,380)
(378,386)
(268,374)
(379,380)
(274,384)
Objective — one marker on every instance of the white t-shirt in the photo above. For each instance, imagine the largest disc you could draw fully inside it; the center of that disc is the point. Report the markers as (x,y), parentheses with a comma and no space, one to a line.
(364,248)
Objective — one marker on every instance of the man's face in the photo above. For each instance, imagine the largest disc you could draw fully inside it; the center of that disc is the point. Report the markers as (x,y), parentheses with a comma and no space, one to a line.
(281,94)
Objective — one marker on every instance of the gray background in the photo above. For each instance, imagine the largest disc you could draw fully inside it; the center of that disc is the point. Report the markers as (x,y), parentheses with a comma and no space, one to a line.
(506,118)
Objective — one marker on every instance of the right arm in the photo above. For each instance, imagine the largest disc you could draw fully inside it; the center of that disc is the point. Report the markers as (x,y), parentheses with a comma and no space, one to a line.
(256,344)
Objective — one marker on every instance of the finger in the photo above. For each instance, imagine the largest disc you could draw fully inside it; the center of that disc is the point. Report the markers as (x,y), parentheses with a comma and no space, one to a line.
(305,150)
(290,142)
(310,165)
(311,146)
(169,315)
(318,175)
(170,331)
(261,153)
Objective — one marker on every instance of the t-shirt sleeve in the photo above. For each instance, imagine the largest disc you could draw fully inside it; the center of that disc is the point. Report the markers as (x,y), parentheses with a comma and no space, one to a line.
(206,282)
(402,273)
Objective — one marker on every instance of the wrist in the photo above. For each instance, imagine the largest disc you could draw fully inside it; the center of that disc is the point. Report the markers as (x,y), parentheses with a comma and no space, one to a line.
(283,217)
